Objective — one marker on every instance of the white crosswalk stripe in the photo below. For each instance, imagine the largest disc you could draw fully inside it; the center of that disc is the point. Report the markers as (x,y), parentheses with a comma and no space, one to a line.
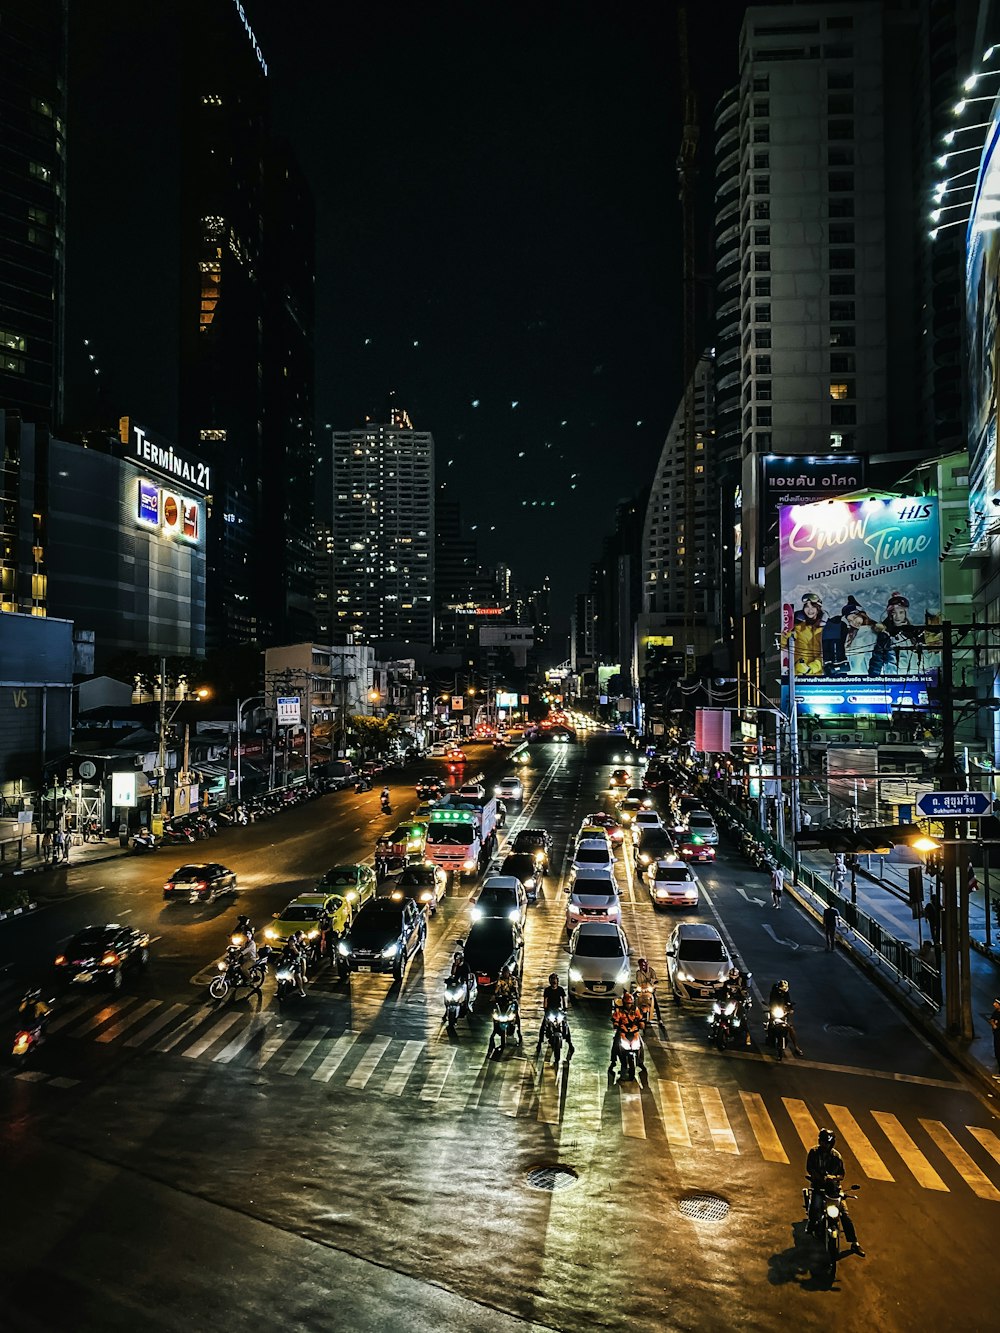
(332,1062)
(369,1062)
(113,1033)
(217,1030)
(403,1068)
(303,1050)
(257,1025)
(157,1025)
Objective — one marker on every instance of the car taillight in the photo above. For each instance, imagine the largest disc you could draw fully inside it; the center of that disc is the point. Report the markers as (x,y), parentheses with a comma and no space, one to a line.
(202,884)
(170,885)
(110,959)
(61,960)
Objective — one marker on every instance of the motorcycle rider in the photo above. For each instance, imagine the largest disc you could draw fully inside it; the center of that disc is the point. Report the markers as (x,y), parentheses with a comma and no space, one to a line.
(825,1163)
(627,1021)
(385,801)
(327,935)
(293,955)
(780,995)
(554,1001)
(33,1009)
(505,996)
(647,981)
(462,975)
(736,988)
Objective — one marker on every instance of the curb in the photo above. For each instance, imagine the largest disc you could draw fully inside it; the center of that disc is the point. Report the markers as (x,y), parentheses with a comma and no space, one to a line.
(916,1013)
(67,865)
(18,911)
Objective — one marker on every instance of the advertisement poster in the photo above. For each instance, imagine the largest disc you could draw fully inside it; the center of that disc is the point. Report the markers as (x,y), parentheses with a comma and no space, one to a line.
(982,294)
(861,589)
(802,480)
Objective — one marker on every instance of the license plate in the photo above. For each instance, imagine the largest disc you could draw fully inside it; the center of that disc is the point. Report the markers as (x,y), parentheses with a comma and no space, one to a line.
(84,976)
(599,986)
(706,993)
(363,967)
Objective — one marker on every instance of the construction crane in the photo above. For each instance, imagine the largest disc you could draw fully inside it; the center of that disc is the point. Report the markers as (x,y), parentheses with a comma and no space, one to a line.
(686,174)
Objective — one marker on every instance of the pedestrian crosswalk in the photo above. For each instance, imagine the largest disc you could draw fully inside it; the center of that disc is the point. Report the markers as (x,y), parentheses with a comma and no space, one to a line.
(576,1101)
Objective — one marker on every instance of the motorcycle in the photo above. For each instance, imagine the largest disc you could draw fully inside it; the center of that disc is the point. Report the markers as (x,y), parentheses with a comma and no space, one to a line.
(645,998)
(386,806)
(630,1055)
(504,1028)
(144,841)
(459,1001)
(285,979)
(232,976)
(553,1032)
(830,1213)
(176,837)
(724,1020)
(26,1042)
(776,1032)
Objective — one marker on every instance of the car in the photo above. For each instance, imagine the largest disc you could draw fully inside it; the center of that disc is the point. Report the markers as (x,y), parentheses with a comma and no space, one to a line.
(424,809)
(102,955)
(509,789)
(440,748)
(628,808)
(598,959)
(425,883)
(303,913)
(592,832)
(430,789)
(701,825)
(591,852)
(536,841)
(672,883)
(383,937)
(644,819)
(698,962)
(493,944)
(620,777)
(473,791)
(523,866)
(456,759)
(372,767)
(641,795)
(199,882)
(691,848)
(655,844)
(501,896)
(611,826)
(356,882)
(592,899)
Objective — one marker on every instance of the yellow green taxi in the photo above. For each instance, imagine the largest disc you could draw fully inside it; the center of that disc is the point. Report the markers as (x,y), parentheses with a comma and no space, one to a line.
(303,913)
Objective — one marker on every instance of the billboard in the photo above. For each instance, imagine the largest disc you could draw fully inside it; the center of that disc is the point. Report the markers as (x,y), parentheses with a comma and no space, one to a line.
(506,700)
(883,696)
(802,480)
(175,515)
(982,296)
(861,589)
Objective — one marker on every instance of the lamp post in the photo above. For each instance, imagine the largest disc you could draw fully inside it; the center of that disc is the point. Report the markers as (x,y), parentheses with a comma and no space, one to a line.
(240,705)
(164,728)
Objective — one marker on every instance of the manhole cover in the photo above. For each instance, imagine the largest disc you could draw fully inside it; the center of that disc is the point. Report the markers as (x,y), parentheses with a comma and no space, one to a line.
(704,1207)
(551,1178)
(843,1030)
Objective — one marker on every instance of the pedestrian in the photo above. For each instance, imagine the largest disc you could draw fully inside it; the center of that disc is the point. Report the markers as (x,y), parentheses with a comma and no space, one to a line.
(805,818)
(67,844)
(47,845)
(932,915)
(58,843)
(831,920)
(838,875)
(777,885)
(995,1025)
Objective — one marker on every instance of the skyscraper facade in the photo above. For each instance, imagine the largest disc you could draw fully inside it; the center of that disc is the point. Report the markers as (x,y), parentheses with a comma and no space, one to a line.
(383,531)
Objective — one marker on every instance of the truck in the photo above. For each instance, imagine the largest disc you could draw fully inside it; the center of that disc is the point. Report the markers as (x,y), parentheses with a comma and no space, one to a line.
(461,834)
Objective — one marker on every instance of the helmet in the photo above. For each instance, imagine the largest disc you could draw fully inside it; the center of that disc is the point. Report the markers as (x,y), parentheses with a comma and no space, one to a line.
(628,999)
(553,979)
(783,986)
(505,973)
(735,974)
(827,1138)
(643,963)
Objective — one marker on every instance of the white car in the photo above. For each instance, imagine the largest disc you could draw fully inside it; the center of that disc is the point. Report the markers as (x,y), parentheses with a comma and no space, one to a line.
(698,962)
(509,789)
(441,748)
(701,827)
(501,896)
(598,959)
(672,883)
(644,819)
(592,900)
(591,854)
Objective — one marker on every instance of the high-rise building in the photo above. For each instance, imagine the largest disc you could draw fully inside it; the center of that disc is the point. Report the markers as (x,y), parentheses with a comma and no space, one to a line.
(383,531)
(32,206)
(221,238)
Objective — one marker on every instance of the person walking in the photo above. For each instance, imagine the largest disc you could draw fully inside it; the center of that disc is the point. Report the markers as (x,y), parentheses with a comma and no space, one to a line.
(831,920)
(777,885)
(58,844)
(838,875)
(932,915)
(47,846)
(995,1025)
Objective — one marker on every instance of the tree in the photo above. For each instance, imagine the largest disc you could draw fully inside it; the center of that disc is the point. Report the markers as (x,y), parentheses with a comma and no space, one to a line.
(374,735)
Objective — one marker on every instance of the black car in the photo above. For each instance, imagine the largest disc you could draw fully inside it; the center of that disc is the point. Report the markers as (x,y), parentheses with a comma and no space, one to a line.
(655,844)
(383,937)
(523,866)
(199,882)
(430,789)
(537,842)
(491,945)
(426,884)
(102,954)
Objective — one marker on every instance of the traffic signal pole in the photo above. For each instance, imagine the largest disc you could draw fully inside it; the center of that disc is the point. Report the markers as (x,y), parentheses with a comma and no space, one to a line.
(957,948)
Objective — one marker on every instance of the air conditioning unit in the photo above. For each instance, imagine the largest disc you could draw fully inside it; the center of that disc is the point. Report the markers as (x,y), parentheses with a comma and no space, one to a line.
(860,737)
(894,736)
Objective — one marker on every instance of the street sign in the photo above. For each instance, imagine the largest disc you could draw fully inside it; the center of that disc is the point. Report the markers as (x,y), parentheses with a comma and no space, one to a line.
(289,713)
(954,804)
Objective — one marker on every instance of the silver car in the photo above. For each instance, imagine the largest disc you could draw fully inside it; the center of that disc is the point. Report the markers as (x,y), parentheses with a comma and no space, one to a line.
(701,826)
(672,883)
(598,960)
(698,962)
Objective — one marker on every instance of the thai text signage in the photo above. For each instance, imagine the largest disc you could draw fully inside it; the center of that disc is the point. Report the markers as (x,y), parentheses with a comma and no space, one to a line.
(797,480)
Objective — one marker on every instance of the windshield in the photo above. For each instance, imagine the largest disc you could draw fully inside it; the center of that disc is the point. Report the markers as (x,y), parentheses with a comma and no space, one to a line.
(93,935)
(451,835)
(300,912)
(528,841)
(417,875)
(701,821)
(653,838)
(190,872)
(599,946)
(339,877)
(702,951)
(593,856)
(382,924)
(672,874)
(518,866)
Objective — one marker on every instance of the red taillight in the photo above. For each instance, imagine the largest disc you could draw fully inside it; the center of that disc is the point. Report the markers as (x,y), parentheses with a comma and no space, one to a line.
(169,886)
(202,884)
(110,959)
(21,1042)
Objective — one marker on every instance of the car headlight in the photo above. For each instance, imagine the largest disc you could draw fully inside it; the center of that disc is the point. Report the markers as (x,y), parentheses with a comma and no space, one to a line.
(624,973)
(684,976)
(663,893)
(477,914)
(343,948)
(645,858)
(391,950)
(529,883)
(270,934)
(614,912)
(514,916)
(469,865)
(575,974)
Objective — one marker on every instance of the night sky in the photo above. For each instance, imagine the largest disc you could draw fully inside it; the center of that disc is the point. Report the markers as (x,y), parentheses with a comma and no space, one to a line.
(498,227)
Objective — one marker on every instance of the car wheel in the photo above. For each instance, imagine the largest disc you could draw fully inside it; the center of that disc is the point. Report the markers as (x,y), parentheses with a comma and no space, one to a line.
(144,956)
(399,969)
(115,980)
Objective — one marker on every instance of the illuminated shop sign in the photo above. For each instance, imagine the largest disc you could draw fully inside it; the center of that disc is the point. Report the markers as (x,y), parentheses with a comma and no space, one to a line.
(250,33)
(164,458)
(878,697)
(174,515)
(797,480)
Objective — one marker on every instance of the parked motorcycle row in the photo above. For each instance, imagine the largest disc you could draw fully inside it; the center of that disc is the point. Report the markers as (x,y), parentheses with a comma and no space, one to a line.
(183,830)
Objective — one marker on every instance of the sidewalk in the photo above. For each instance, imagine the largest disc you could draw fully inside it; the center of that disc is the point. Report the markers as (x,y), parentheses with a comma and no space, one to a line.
(81,853)
(883,892)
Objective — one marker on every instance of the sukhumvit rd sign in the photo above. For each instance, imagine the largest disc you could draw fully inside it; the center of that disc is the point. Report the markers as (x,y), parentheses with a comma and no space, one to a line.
(861,587)
(164,458)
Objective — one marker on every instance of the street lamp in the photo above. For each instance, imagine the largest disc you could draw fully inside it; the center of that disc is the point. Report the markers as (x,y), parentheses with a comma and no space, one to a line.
(240,705)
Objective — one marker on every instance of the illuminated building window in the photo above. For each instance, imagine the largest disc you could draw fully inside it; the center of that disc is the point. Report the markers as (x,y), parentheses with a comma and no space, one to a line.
(211,434)
(14,342)
(13,364)
(211,277)
(40,171)
(842,389)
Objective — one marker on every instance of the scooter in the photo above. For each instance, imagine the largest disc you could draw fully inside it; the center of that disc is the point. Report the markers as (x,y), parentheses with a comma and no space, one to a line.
(504,1028)
(831,1214)
(27,1041)
(631,1054)
(231,975)
(723,1021)
(553,1032)
(776,1032)
(386,806)
(459,1001)
(144,841)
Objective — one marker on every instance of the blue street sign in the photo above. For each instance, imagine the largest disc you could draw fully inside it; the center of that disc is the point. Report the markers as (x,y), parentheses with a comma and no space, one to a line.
(954,804)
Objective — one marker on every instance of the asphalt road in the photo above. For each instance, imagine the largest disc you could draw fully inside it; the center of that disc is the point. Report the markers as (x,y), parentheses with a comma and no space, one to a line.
(342,1164)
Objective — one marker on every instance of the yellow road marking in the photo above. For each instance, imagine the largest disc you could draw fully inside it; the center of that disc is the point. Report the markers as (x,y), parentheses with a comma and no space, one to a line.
(675,1124)
(975,1179)
(633,1121)
(763,1128)
(859,1143)
(986,1139)
(801,1118)
(723,1138)
(918,1164)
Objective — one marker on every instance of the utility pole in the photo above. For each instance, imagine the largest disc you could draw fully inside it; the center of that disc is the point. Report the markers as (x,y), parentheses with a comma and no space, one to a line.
(950,933)
(686,175)
(161,758)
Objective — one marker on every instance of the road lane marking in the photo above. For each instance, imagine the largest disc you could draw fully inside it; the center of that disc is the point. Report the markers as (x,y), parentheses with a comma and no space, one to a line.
(31,1076)
(185,1028)
(137,1016)
(330,1063)
(254,1028)
(273,1043)
(979,1183)
(368,1062)
(675,1123)
(441,1063)
(403,1068)
(517,1078)
(763,1128)
(76,1012)
(859,1143)
(213,1034)
(633,1121)
(723,1138)
(303,1050)
(801,1118)
(986,1139)
(160,1021)
(917,1163)
(479,1083)
(583,1106)
(102,1016)
(549,1095)
(63,1082)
